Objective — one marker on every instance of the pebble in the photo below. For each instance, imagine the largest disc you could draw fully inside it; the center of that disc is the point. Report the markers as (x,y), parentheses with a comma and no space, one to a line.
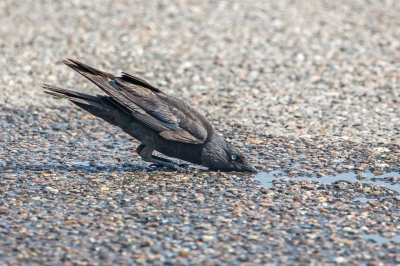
(340,260)
(52,190)
(207,238)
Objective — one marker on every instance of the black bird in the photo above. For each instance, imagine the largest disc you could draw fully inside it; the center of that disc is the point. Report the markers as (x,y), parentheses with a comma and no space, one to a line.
(159,121)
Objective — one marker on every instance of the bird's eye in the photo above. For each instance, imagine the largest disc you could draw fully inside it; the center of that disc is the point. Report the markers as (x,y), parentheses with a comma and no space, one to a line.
(234,157)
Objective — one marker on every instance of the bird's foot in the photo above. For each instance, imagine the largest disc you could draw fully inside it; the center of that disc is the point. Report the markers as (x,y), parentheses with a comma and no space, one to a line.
(160,167)
(173,167)
(162,162)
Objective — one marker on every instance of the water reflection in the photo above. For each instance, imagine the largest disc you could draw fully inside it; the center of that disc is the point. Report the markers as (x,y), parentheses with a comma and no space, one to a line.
(266,178)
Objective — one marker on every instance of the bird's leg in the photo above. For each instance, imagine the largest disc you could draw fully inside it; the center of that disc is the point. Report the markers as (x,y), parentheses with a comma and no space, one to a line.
(146,152)
(140,148)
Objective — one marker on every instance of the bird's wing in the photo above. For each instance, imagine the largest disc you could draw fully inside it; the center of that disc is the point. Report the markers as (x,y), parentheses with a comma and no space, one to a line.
(172,119)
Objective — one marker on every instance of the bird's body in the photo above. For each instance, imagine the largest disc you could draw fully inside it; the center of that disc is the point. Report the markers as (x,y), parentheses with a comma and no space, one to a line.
(159,121)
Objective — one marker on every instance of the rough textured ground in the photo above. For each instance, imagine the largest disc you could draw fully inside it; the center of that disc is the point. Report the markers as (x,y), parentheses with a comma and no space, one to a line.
(309,88)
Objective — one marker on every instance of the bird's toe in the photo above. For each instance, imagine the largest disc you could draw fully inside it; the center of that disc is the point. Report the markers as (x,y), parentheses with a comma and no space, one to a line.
(183,171)
(156,166)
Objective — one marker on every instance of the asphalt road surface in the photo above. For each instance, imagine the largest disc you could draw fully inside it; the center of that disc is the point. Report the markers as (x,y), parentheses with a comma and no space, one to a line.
(309,90)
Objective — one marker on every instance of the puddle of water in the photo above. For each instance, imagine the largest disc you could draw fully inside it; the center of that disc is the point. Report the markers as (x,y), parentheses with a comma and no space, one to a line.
(80,163)
(362,199)
(378,239)
(102,162)
(266,178)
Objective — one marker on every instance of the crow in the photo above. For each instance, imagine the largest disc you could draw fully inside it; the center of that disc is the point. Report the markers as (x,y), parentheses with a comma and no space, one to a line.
(159,121)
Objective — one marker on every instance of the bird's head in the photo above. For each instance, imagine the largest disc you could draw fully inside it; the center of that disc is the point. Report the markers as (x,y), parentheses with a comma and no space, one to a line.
(223,156)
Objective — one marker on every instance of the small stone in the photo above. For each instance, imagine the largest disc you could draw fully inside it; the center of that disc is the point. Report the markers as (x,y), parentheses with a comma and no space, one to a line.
(207,238)
(233,190)
(184,254)
(51,77)
(321,199)
(267,204)
(70,222)
(254,141)
(340,260)
(10,176)
(149,74)
(296,204)
(348,242)
(373,204)
(147,242)
(253,237)
(52,190)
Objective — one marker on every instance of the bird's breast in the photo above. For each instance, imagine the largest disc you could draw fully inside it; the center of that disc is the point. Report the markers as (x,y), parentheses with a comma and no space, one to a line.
(187,152)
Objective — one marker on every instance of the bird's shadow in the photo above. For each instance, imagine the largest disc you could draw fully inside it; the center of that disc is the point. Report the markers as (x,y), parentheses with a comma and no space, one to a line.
(89,169)
(80,168)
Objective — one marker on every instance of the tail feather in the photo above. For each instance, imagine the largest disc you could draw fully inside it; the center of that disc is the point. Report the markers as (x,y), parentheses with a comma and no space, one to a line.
(106,82)
(70,93)
(73,96)
(139,81)
(100,106)
(81,67)
(99,78)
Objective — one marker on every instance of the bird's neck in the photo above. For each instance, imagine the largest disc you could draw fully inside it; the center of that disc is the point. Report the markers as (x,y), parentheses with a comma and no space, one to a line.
(212,150)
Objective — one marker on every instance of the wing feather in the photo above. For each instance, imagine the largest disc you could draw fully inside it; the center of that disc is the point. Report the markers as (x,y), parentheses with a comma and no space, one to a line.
(173,119)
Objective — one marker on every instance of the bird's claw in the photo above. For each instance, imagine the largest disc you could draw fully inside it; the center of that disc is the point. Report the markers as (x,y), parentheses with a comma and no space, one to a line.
(179,168)
(183,170)
(155,166)
(167,164)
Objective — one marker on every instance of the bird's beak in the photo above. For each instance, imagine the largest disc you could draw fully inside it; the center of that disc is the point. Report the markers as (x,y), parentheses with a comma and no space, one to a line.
(247,167)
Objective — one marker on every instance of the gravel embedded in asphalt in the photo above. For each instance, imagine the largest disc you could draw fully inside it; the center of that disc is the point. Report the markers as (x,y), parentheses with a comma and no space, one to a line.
(308,90)
(74,185)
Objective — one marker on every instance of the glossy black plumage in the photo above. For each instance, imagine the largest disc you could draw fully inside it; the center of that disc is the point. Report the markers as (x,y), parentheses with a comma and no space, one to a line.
(159,121)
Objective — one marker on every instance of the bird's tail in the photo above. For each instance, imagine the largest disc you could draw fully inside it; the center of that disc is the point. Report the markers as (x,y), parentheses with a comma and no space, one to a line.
(102,79)
(86,70)
(99,105)
(99,78)
(73,96)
